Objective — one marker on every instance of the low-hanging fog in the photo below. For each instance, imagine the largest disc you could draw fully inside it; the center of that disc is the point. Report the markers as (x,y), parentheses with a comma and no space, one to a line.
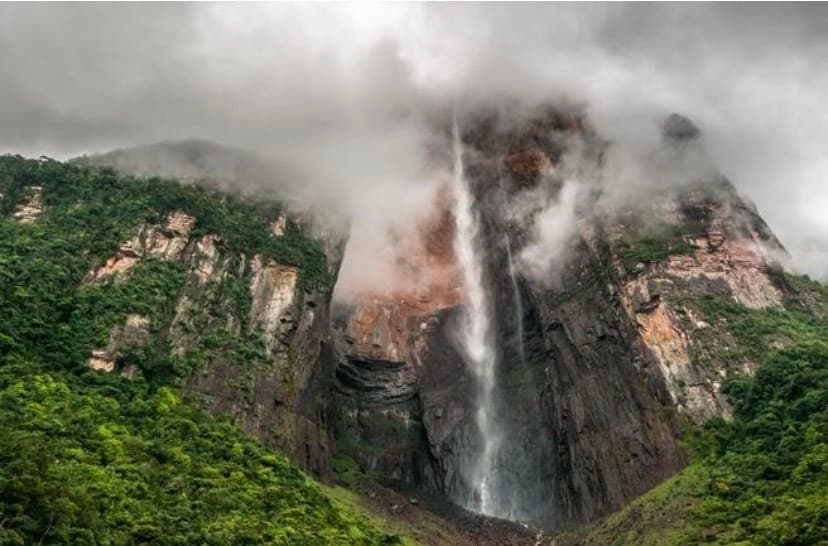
(344,93)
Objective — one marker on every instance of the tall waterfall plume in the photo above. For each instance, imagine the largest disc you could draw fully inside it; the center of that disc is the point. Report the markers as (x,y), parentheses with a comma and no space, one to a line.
(476,337)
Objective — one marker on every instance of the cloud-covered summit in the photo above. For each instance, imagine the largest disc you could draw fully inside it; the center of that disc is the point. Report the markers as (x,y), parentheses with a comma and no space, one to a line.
(344,91)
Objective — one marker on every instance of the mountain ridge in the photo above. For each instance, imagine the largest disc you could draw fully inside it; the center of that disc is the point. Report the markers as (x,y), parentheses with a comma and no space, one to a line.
(631,354)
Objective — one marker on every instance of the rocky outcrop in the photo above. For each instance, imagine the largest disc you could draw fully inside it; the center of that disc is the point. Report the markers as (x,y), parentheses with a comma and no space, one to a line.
(277,226)
(692,389)
(29,210)
(281,398)
(256,335)
(134,333)
(731,253)
(382,343)
(677,127)
(274,290)
(165,242)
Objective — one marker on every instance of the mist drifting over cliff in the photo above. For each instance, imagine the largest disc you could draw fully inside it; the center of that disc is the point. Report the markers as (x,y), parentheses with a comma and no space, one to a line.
(348,94)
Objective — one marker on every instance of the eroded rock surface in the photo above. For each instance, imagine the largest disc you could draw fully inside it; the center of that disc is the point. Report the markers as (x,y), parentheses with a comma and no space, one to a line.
(133,334)
(165,242)
(732,254)
(382,341)
(28,211)
(273,287)
(255,334)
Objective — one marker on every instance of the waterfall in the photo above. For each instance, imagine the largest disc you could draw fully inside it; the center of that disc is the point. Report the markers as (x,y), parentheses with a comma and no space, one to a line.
(518,301)
(476,337)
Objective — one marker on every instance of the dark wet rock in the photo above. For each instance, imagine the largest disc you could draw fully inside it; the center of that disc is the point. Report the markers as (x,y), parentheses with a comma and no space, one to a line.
(593,374)
(678,127)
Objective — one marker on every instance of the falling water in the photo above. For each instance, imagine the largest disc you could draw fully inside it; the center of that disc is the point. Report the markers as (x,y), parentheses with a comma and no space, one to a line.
(518,301)
(476,336)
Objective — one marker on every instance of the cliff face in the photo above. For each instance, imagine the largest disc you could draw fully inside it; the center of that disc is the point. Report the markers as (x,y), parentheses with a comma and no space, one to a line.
(597,353)
(731,255)
(381,342)
(256,335)
(600,355)
(115,293)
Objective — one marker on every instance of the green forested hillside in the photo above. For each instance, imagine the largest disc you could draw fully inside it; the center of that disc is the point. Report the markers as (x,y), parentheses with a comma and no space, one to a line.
(762,477)
(91,458)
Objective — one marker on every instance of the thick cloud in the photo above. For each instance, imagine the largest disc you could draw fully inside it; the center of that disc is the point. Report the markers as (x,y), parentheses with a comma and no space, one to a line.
(342,89)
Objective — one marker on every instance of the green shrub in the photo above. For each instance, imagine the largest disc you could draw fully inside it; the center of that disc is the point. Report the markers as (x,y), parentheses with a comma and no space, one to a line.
(654,244)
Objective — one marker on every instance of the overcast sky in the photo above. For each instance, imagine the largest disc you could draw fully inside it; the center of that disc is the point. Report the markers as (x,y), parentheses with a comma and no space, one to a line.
(335,86)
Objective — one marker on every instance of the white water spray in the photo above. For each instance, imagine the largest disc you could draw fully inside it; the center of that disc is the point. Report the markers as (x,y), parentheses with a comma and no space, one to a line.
(518,301)
(476,334)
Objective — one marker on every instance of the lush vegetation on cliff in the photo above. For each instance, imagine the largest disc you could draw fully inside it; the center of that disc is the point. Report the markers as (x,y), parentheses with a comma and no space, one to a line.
(96,209)
(762,477)
(653,244)
(91,458)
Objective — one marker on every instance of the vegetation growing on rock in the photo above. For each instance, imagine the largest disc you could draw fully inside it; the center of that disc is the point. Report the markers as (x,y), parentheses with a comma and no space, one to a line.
(654,244)
(92,458)
(761,477)
(96,209)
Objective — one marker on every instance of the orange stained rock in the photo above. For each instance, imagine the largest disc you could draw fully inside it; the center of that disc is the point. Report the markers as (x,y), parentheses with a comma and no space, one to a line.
(527,164)
(658,328)
(113,266)
(430,281)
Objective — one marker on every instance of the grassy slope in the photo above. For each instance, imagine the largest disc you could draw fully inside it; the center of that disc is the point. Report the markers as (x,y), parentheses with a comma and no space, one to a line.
(761,478)
(89,458)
